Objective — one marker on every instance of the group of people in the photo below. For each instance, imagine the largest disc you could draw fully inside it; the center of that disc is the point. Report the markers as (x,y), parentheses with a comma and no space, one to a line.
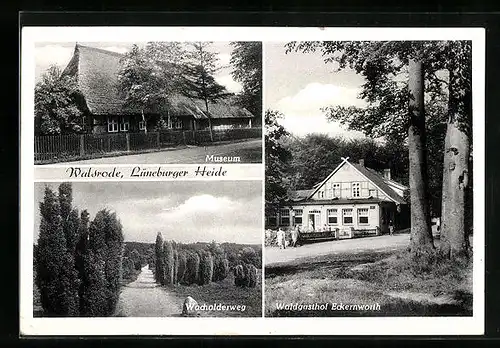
(283,243)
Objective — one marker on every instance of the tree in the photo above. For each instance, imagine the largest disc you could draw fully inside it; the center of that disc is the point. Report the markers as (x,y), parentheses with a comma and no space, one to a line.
(199,77)
(206,267)
(90,266)
(136,259)
(246,60)
(192,267)
(56,276)
(150,76)
(276,159)
(456,58)
(221,265)
(107,244)
(168,255)
(56,107)
(160,262)
(394,90)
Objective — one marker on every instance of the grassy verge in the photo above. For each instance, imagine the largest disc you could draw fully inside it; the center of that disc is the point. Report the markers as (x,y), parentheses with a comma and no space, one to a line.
(223,292)
(386,279)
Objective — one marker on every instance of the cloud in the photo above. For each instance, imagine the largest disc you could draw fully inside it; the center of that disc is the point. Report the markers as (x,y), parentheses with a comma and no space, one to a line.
(229,83)
(303,113)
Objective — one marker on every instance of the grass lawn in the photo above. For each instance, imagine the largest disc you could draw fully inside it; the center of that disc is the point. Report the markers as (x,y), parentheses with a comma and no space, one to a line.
(386,278)
(223,292)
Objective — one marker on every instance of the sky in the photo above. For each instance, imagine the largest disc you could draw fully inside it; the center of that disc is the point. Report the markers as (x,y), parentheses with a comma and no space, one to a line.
(300,84)
(189,211)
(48,53)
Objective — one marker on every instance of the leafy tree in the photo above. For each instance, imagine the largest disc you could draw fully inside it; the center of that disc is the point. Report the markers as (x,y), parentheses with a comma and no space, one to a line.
(246,60)
(150,76)
(276,159)
(56,107)
(160,262)
(199,77)
(394,90)
(455,57)
(56,276)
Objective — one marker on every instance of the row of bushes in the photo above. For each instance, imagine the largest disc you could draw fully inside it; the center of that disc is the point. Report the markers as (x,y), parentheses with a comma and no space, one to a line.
(178,264)
(78,263)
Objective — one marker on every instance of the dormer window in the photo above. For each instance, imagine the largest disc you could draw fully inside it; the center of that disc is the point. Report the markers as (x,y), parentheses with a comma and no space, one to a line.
(356,189)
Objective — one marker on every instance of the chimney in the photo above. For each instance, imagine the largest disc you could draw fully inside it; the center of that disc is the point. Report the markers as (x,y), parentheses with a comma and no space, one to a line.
(362,162)
(387,173)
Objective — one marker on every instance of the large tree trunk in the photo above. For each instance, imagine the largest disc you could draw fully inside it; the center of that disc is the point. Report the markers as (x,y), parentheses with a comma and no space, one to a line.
(421,235)
(455,178)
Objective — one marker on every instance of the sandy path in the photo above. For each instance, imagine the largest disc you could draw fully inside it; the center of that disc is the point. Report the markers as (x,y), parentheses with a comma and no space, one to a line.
(273,255)
(145,298)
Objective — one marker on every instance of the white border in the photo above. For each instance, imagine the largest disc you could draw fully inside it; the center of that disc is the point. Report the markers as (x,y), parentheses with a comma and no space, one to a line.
(245,326)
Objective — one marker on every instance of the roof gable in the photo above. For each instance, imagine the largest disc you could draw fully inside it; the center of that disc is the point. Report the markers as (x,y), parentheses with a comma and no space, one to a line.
(371,175)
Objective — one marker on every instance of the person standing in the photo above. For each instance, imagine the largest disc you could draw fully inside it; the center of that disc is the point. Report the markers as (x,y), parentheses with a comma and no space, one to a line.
(391,227)
(295,236)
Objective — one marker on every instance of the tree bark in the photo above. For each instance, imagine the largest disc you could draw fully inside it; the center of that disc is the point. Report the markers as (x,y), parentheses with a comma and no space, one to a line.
(455,178)
(421,235)
(209,122)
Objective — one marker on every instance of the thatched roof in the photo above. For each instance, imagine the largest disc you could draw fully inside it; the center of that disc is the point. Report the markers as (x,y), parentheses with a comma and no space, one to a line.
(97,78)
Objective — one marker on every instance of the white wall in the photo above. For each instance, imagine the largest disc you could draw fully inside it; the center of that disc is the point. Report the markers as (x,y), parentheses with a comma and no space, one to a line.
(345,176)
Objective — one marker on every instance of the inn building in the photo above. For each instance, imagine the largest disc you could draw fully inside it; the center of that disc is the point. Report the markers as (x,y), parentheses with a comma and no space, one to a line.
(352,201)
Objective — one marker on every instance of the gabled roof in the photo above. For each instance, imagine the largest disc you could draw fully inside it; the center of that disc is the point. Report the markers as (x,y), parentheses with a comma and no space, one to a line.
(97,78)
(371,175)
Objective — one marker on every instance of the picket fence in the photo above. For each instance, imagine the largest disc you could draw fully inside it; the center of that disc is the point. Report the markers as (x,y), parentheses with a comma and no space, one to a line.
(55,148)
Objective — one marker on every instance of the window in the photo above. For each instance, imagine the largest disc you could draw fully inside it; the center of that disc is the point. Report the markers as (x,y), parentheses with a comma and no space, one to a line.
(355,189)
(321,194)
(332,216)
(336,190)
(347,216)
(285,217)
(112,125)
(297,219)
(142,125)
(178,124)
(124,124)
(363,216)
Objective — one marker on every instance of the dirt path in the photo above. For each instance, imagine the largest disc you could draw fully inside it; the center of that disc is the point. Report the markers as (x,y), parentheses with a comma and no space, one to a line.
(144,298)
(194,154)
(274,255)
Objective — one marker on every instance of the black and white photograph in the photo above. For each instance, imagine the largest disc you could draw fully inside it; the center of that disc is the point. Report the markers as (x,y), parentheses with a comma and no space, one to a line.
(148,249)
(147,102)
(369,178)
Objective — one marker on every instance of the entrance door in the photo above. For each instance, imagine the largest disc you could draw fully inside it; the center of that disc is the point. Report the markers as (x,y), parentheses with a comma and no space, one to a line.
(314,223)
